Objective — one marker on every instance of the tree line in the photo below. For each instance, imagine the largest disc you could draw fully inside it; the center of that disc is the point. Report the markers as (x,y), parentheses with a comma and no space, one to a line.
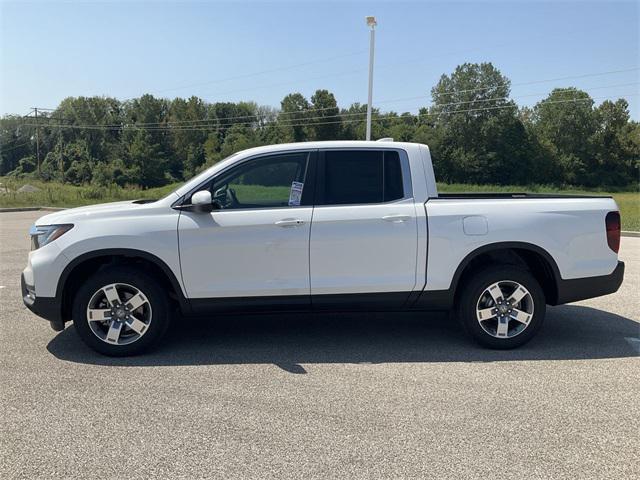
(476,133)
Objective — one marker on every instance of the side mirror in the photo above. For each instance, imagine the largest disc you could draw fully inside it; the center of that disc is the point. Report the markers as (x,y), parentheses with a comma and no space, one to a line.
(201,201)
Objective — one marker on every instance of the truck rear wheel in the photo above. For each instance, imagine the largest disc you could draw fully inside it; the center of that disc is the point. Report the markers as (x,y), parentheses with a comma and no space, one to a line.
(502,307)
(120,311)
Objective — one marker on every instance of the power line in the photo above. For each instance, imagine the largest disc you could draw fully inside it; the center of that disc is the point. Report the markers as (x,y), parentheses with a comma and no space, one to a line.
(224,122)
(572,77)
(378,118)
(419,97)
(250,119)
(419,115)
(294,82)
(351,72)
(566,91)
(450,92)
(263,72)
(393,65)
(383,66)
(311,110)
(2,150)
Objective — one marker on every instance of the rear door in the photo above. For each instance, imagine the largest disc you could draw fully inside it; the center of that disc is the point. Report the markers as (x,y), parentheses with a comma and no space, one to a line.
(364,230)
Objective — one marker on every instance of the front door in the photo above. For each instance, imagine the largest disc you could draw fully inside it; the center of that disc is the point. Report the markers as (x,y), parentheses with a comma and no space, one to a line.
(253,250)
(364,231)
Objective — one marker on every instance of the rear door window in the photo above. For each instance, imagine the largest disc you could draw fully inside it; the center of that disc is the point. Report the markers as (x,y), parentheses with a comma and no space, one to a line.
(360,177)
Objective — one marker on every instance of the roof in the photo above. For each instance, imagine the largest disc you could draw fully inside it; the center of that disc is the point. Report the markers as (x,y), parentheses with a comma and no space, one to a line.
(326,144)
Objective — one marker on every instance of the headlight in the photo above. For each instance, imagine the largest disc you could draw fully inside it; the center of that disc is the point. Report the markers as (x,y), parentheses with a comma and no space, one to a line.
(43,234)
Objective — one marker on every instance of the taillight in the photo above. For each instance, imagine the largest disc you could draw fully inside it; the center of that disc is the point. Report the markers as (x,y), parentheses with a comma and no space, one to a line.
(612,222)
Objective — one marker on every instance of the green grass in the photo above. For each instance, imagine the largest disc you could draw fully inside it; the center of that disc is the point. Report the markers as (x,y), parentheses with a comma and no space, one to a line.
(64,195)
(629,204)
(259,194)
(52,194)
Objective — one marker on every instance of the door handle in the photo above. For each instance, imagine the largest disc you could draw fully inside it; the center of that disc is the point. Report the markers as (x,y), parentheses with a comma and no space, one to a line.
(396,218)
(290,222)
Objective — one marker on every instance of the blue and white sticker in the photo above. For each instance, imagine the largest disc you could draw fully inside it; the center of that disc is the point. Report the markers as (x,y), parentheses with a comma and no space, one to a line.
(295,195)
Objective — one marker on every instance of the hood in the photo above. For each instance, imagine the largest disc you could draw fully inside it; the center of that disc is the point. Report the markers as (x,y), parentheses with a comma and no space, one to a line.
(72,215)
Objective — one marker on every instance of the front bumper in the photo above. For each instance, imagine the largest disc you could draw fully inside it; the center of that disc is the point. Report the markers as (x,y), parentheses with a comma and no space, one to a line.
(49,308)
(583,288)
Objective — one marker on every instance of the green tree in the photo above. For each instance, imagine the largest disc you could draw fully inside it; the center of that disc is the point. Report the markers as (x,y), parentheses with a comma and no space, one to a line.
(403,128)
(353,125)
(475,132)
(482,138)
(190,120)
(15,143)
(212,149)
(613,146)
(102,143)
(230,114)
(239,137)
(475,88)
(565,123)
(147,160)
(293,116)
(325,120)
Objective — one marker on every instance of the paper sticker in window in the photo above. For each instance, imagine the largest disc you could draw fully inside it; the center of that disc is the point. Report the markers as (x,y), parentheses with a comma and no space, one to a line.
(295,195)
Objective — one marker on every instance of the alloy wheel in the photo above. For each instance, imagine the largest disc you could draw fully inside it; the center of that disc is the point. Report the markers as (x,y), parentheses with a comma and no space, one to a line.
(504,309)
(119,314)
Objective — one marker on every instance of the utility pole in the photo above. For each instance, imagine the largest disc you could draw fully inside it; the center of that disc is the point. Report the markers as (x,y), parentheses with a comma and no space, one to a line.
(35,109)
(61,152)
(371,22)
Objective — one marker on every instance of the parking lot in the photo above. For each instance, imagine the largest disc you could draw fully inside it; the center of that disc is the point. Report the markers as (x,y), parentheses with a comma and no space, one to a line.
(322,396)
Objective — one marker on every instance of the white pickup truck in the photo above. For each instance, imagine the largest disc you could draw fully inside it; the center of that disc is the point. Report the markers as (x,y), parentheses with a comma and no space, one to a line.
(320,226)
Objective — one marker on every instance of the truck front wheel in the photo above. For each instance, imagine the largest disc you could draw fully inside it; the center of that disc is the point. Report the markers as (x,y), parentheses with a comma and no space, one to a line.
(501,307)
(120,311)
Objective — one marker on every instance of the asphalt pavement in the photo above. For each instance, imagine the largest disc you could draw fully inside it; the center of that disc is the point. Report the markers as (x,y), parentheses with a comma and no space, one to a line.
(322,396)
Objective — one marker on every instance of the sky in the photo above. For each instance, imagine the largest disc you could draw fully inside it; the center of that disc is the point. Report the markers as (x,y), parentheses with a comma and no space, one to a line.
(261,51)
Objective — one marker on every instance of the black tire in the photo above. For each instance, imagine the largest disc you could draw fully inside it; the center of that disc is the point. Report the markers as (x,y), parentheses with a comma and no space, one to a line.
(156,297)
(470,299)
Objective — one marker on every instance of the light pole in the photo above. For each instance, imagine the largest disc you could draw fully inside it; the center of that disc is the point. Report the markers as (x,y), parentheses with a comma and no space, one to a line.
(371,22)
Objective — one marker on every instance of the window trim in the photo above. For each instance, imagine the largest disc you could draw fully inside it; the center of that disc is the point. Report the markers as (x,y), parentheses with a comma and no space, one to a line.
(320,172)
(308,193)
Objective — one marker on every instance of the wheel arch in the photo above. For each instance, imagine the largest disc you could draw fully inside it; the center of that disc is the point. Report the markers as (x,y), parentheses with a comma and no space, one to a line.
(536,259)
(89,262)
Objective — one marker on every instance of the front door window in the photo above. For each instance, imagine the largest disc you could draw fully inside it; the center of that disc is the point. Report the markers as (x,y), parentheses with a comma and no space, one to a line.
(266,182)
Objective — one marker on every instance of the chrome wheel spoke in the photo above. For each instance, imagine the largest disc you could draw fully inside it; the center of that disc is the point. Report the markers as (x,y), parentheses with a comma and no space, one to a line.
(518,295)
(98,314)
(503,327)
(496,293)
(111,294)
(136,301)
(520,316)
(136,325)
(486,314)
(113,335)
